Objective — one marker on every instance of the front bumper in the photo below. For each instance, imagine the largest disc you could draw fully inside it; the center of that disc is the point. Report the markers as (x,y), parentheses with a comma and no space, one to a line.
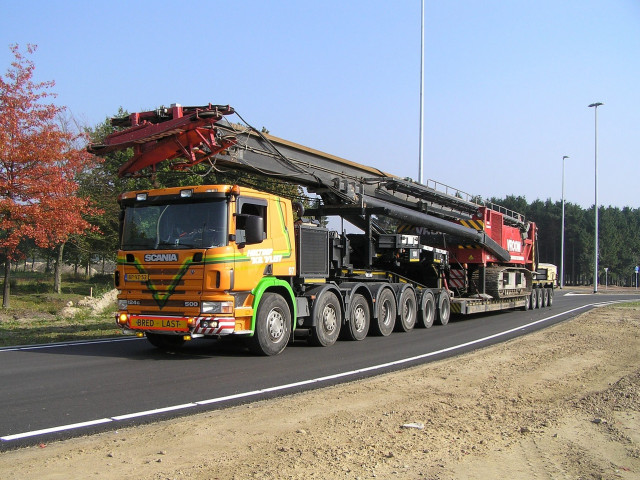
(175,325)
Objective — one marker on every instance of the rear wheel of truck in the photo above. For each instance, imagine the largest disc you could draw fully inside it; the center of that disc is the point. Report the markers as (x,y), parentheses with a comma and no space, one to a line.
(444,308)
(328,319)
(539,303)
(386,318)
(427,310)
(533,299)
(359,318)
(545,297)
(273,326)
(408,311)
(165,342)
(550,300)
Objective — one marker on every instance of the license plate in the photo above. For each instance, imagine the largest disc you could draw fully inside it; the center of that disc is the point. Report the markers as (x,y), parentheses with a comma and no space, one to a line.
(136,277)
(159,324)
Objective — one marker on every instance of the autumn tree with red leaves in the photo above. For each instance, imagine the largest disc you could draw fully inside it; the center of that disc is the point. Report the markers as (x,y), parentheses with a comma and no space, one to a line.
(39,163)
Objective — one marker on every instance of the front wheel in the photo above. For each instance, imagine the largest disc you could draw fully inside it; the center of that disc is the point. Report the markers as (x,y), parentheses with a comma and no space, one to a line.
(328,319)
(273,326)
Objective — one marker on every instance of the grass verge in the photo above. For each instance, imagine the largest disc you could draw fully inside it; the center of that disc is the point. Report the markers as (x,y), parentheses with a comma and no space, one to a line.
(36,315)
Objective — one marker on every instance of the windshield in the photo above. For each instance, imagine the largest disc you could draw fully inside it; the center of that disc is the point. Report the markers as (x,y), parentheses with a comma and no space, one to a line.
(175,226)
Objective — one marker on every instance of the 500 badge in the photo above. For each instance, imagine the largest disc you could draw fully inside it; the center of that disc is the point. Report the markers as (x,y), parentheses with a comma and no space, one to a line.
(191,304)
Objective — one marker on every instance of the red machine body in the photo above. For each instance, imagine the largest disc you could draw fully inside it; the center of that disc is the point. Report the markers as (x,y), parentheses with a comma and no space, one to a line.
(519,241)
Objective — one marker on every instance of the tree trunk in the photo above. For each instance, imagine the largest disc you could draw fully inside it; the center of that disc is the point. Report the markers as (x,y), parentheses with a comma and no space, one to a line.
(57,283)
(6,291)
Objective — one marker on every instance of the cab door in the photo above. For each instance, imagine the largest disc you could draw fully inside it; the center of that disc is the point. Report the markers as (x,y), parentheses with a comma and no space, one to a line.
(254,246)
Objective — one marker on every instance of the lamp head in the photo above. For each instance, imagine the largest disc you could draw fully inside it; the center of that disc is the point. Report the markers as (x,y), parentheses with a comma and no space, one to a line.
(597,104)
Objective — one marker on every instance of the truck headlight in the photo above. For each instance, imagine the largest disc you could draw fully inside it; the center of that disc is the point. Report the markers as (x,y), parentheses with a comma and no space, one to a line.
(217,307)
(122,304)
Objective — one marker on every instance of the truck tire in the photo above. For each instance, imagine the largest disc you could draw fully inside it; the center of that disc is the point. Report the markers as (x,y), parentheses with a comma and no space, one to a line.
(359,318)
(165,342)
(386,318)
(273,326)
(427,310)
(328,319)
(539,300)
(533,304)
(545,297)
(444,308)
(407,311)
(550,300)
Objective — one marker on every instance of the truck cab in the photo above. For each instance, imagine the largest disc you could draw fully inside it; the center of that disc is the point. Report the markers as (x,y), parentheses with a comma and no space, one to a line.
(193,261)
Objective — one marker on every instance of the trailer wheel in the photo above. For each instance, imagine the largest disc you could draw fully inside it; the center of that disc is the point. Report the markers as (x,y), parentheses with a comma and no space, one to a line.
(527,303)
(533,303)
(545,297)
(444,308)
(427,310)
(273,326)
(408,311)
(328,318)
(165,342)
(540,298)
(359,318)
(550,300)
(386,318)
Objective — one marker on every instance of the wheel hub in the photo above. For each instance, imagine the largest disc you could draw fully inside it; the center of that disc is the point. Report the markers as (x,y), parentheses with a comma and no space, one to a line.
(329,319)
(275,325)
(359,319)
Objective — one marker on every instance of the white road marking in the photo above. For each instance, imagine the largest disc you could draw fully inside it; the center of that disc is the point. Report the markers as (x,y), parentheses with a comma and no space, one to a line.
(61,428)
(66,344)
(254,393)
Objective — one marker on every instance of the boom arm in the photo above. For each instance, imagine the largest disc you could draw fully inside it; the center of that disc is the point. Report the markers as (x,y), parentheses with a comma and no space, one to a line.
(198,133)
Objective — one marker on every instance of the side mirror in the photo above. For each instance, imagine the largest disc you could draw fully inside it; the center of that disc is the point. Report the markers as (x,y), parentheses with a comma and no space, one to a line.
(254,229)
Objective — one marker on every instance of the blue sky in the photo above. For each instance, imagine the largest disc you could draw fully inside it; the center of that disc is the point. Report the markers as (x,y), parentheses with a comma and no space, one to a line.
(506,87)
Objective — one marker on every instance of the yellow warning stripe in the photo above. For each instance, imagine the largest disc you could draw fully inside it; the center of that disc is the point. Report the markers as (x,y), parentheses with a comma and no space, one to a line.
(475,224)
(404,228)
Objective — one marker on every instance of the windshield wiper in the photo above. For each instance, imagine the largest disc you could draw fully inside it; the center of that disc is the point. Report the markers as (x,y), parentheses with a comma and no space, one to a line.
(129,246)
(177,245)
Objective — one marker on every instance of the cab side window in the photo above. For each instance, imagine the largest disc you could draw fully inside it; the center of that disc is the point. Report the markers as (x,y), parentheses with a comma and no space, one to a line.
(250,211)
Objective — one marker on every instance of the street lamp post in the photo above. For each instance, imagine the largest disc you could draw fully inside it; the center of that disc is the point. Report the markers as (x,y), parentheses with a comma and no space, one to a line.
(562,236)
(595,267)
(421,142)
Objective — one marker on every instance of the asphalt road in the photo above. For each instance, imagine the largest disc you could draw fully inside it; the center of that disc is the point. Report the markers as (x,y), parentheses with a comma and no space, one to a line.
(63,390)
